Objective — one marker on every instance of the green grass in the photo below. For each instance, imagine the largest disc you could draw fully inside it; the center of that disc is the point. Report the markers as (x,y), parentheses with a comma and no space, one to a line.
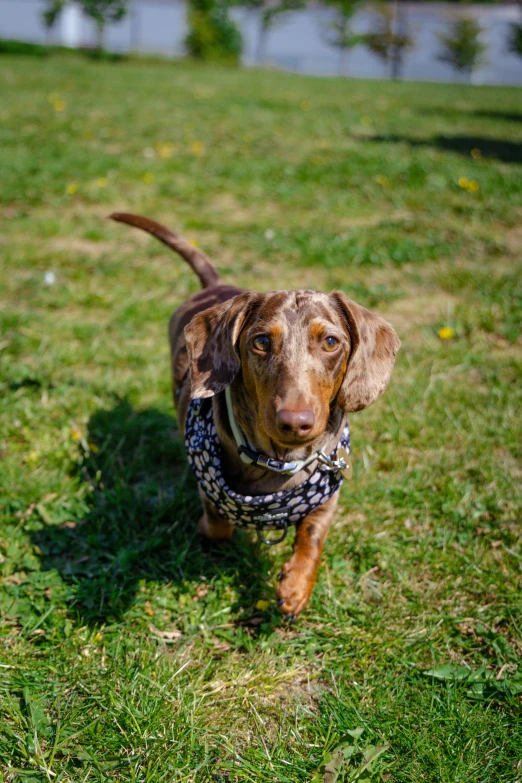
(131,650)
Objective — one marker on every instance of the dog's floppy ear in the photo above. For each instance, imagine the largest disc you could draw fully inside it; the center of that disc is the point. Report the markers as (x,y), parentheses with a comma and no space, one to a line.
(373,350)
(211,339)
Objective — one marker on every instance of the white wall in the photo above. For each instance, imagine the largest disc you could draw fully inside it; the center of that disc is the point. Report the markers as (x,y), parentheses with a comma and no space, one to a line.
(298,43)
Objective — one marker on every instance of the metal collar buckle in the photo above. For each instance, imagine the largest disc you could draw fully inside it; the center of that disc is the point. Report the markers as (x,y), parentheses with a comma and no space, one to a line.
(329,463)
(271,542)
(278,466)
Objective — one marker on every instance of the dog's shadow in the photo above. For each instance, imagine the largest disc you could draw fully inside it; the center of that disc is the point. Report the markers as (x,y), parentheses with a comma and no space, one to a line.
(141,510)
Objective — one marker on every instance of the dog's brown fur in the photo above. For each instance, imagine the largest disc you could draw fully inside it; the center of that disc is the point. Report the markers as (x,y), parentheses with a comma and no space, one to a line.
(212,346)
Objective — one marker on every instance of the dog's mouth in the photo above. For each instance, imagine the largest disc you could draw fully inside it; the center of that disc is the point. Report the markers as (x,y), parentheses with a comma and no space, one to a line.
(281,448)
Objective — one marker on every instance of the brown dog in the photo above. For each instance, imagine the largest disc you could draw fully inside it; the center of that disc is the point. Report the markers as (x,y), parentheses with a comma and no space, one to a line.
(295,363)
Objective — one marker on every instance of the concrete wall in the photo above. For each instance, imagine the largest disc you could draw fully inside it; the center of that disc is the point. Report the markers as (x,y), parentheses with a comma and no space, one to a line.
(297,43)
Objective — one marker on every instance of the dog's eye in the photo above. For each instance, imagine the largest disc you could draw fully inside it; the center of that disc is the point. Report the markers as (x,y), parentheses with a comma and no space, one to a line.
(261,343)
(330,344)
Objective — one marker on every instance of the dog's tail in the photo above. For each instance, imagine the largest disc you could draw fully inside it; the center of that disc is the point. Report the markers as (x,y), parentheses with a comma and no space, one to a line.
(200,263)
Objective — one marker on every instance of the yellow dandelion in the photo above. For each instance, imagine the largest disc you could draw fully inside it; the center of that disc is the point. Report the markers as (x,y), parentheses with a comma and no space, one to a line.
(148,609)
(471,185)
(198,147)
(148,178)
(446,333)
(71,188)
(263,605)
(476,153)
(382,180)
(76,433)
(193,242)
(165,150)
(101,182)
(59,105)
(32,456)
(94,448)
(306,105)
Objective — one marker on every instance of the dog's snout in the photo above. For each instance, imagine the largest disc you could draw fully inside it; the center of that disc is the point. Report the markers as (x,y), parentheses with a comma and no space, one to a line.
(295,422)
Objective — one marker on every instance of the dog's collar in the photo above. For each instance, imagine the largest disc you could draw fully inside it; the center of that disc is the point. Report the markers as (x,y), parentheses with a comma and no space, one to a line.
(251,456)
(275,510)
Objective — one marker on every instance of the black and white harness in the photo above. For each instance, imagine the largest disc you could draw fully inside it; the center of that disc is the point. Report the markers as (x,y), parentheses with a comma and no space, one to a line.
(272,511)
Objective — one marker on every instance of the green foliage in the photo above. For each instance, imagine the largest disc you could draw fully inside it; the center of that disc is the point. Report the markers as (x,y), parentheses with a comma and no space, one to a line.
(390,40)
(213,35)
(52,13)
(8,46)
(462,47)
(348,762)
(104,11)
(101,12)
(340,33)
(481,684)
(270,12)
(130,650)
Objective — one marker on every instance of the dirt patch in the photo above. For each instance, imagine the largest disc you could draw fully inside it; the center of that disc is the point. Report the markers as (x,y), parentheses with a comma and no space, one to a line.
(423,309)
(86,247)
(400,216)
(513,240)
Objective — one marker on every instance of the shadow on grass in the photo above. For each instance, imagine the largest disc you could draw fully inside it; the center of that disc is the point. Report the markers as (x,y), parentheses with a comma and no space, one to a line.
(142,523)
(506,151)
(491,114)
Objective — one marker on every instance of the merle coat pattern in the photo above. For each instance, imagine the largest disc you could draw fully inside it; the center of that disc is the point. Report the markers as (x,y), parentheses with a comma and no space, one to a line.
(297,362)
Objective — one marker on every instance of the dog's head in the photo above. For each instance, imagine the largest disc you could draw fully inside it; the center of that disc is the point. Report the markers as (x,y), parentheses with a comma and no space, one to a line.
(298,353)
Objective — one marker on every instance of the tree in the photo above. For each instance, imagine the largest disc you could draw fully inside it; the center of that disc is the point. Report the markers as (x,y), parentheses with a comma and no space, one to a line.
(462,47)
(102,12)
(213,35)
(52,13)
(270,12)
(341,34)
(515,38)
(391,39)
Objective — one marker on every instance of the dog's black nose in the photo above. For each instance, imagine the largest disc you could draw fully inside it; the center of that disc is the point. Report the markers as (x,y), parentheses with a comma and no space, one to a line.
(295,422)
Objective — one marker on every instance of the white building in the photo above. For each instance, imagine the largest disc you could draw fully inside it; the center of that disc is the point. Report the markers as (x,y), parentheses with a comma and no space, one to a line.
(297,43)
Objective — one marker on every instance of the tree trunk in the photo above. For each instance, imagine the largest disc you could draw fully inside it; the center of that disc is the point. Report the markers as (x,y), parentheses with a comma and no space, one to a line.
(260,54)
(343,60)
(100,36)
(399,28)
(396,63)
(135,26)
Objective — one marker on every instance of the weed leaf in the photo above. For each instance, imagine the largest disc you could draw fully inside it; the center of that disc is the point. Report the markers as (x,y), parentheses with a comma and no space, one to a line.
(333,763)
(483,684)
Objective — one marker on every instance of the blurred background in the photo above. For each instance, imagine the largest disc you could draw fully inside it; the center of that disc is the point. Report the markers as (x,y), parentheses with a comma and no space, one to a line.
(430,41)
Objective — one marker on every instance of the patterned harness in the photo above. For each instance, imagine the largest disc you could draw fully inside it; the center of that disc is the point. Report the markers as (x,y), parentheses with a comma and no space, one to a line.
(273,511)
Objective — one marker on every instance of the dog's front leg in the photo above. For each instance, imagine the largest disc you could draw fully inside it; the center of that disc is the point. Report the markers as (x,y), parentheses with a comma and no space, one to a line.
(211,524)
(300,572)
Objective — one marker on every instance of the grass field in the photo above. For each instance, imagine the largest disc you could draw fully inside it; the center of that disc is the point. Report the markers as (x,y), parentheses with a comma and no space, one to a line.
(132,651)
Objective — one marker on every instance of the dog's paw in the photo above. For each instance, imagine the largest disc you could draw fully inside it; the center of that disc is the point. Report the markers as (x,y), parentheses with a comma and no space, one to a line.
(294,589)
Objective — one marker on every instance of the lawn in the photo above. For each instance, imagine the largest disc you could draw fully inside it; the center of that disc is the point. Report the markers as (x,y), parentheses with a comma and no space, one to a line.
(133,651)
